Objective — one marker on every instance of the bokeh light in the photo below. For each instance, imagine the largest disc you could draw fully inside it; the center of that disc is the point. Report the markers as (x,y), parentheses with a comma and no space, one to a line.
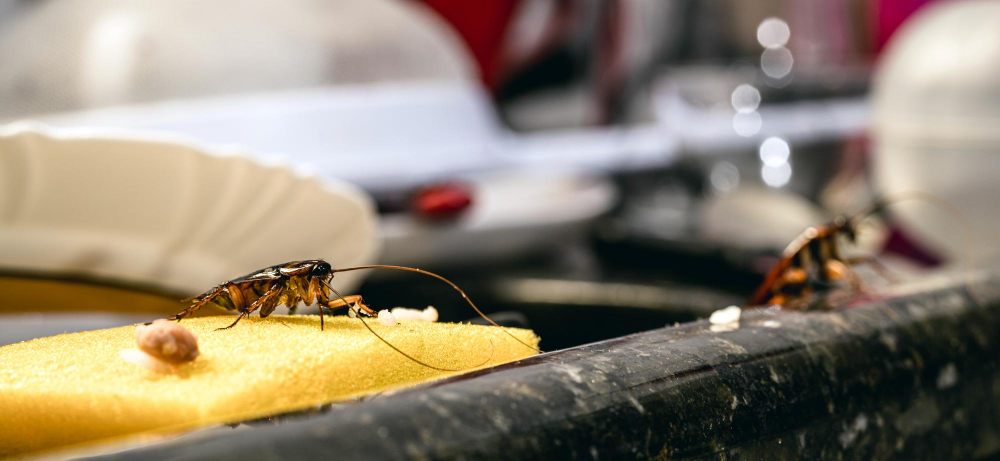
(776,176)
(774,151)
(745,98)
(773,32)
(724,176)
(747,123)
(776,62)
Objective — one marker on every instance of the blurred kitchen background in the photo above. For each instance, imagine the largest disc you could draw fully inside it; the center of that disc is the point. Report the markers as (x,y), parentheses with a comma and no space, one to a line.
(621,164)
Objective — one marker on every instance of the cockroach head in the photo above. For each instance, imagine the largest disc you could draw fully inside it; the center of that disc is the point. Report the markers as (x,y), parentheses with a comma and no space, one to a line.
(321,269)
(847,226)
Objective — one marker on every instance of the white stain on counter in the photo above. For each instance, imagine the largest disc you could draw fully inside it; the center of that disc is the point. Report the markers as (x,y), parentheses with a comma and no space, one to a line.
(851,432)
(947,377)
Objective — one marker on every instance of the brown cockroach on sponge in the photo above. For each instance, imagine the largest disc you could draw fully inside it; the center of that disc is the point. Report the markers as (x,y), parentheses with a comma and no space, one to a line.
(306,281)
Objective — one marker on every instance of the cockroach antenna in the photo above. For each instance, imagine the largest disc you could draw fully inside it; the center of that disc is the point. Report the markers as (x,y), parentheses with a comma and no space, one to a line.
(884,202)
(404,354)
(449,282)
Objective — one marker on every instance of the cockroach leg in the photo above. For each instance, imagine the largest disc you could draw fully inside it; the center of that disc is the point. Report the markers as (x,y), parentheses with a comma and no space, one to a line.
(268,301)
(242,314)
(876,265)
(351,300)
(199,302)
(345,301)
(834,269)
(859,285)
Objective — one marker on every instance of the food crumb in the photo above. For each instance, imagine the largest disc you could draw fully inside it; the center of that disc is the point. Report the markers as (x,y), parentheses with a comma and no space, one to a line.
(167,340)
(162,344)
(137,357)
(386,318)
(430,314)
(726,316)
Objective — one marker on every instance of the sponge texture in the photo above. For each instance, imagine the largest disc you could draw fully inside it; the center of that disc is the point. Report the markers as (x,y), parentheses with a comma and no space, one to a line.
(75,388)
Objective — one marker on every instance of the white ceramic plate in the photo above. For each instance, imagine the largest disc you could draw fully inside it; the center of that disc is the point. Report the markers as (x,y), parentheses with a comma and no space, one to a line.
(165,212)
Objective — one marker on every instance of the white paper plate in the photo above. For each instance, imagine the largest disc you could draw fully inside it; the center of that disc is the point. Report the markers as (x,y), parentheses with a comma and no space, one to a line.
(162,211)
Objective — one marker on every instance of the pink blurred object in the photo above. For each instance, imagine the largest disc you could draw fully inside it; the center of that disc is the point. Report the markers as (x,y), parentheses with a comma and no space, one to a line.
(901,243)
(482,24)
(890,14)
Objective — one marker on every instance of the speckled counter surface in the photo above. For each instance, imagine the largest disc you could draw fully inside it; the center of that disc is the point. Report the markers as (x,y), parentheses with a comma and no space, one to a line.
(919,382)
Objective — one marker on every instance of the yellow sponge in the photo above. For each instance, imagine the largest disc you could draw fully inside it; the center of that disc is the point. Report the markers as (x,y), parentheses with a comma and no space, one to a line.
(75,388)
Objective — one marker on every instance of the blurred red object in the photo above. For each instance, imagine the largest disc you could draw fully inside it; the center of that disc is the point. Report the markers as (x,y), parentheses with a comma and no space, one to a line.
(890,14)
(901,243)
(442,201)
(483,24)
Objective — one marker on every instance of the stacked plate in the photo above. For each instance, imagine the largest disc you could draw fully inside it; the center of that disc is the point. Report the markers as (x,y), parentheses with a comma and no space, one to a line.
(166,213)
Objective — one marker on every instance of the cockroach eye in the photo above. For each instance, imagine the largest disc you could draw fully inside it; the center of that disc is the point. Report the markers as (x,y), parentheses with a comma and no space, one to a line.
(321,269)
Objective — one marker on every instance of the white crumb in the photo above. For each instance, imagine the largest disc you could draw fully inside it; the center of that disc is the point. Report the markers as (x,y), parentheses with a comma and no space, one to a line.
(407,314)
(386,318)
(726,316)
(352,311)
(416,315)
(145,360)
(725,327)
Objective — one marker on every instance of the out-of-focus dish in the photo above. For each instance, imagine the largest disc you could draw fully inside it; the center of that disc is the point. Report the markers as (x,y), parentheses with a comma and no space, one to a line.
(936,111)
(160,212)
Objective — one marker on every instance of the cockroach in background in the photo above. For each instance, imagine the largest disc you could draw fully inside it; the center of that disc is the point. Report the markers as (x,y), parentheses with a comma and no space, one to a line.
(816,256)
(306,281)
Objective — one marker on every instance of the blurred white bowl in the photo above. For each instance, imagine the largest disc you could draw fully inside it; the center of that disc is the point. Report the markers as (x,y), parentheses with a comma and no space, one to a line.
(163,212)
(936,113)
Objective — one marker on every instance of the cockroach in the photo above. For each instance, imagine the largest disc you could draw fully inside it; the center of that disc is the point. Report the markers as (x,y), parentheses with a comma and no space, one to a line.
(815,255)
(266,289)
(306,281)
